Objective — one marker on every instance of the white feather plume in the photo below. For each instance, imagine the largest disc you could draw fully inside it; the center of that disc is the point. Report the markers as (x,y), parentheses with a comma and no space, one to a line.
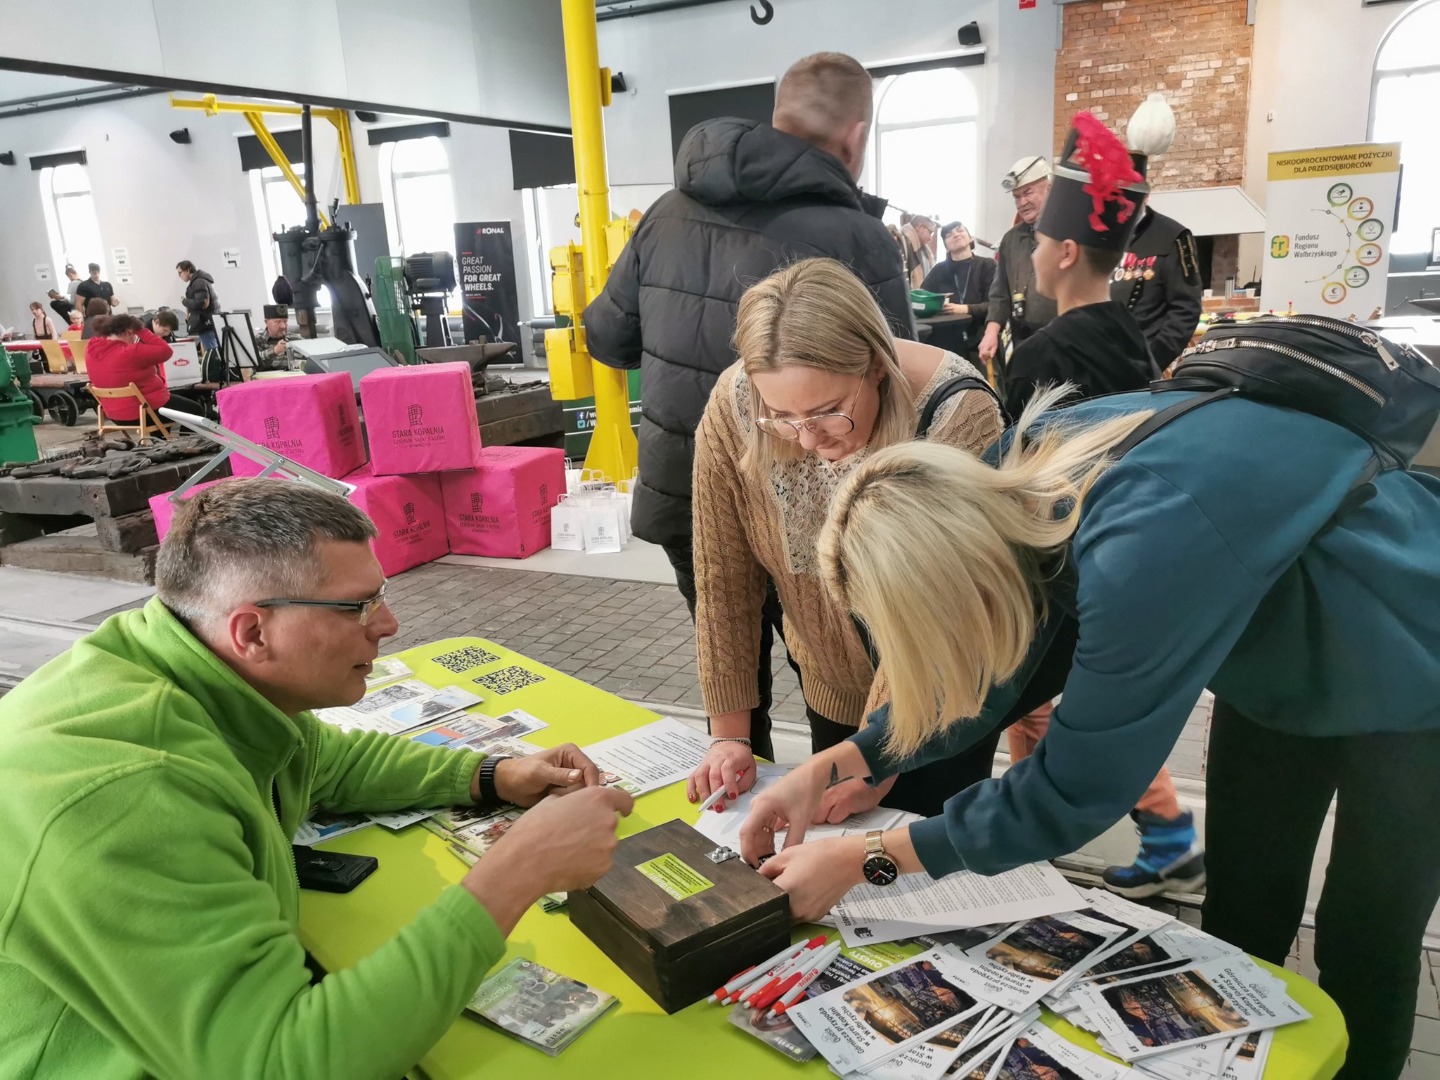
(1152,129)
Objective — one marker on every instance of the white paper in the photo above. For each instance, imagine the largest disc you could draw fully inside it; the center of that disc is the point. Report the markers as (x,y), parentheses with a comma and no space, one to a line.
(1030,958)
(858,1025)
(399,707)
(399,819)
(650,757)
(322,825)
(1249,1062)
(918,904)
(1153,1014)
(1038,1051)
(933,1056)
(384,670)
(1161,949)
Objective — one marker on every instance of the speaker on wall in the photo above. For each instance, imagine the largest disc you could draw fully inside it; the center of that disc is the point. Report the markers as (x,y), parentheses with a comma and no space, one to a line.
(969,34)
(181,136)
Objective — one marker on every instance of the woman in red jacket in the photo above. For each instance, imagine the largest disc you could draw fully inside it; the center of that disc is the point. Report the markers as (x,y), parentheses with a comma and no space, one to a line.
(122,351)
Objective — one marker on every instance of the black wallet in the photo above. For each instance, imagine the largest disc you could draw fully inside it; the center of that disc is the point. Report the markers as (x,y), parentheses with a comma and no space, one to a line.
(332,871)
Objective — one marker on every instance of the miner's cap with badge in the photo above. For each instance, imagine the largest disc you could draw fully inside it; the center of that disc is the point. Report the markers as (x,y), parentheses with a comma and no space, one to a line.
(1026,171)
(276,311)
(1096,194)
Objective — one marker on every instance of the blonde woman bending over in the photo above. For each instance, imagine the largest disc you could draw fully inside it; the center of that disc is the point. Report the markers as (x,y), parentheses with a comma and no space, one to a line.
(820,387)
(1222,551)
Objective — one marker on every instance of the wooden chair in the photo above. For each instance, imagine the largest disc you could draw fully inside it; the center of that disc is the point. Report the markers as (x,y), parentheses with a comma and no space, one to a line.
(55,361)
(77,353)
(149,419)
(71,335)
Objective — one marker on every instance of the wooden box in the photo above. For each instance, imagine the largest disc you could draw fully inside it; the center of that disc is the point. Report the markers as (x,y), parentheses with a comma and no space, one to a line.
(676,922)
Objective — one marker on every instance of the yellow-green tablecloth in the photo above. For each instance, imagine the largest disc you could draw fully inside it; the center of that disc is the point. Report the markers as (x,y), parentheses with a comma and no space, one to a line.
(637,1038)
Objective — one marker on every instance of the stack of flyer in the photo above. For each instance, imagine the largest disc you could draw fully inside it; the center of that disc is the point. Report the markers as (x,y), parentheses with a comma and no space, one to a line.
(538,1006)
(1171,1002)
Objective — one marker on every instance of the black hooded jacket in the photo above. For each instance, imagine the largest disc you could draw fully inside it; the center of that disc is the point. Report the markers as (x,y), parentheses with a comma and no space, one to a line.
(201,303)
(747,200)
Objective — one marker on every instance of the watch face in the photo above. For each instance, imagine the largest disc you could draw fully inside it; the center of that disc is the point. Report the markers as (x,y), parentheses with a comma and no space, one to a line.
(880,870)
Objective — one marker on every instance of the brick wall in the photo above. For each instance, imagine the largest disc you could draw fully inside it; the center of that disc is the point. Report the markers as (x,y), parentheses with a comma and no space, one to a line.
(1197,52)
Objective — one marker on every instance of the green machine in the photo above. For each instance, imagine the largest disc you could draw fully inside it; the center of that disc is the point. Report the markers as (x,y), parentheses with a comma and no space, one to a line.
(392,309)
(17,411)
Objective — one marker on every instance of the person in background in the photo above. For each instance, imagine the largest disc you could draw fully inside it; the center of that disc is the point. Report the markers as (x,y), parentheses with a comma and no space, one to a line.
(749,197)
(1158,281)
(94,309)
(40,324)
(821,384)
(918,233)
(60,306)
(77,319)
(92,288)
(201,304)
(165,324)
(967,280)
(122,351)
(1096,347)
(73,277)
(271,350)
(174,751)
(1015,303)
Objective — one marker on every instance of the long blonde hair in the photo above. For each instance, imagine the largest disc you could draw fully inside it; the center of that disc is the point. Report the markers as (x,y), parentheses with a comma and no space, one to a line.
(940,554)
(816,313)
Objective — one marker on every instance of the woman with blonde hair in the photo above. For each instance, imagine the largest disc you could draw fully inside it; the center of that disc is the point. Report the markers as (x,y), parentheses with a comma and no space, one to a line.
(821,386)
(1225,550)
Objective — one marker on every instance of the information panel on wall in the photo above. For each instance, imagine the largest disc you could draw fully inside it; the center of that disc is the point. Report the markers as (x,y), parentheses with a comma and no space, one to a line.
(1329,214)
(485,251)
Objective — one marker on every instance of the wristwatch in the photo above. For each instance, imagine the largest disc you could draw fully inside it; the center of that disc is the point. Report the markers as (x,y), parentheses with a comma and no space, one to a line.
(879,868)
(488,795)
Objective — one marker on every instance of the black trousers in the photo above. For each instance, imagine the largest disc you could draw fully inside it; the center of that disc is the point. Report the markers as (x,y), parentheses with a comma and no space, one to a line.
(1266,796)
(771,623)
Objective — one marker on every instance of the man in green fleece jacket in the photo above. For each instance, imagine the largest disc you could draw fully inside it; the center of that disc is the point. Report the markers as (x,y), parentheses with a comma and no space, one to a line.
(151,779)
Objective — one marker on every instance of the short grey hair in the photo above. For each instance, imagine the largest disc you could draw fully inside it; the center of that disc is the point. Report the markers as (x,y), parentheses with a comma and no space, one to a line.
(247,540)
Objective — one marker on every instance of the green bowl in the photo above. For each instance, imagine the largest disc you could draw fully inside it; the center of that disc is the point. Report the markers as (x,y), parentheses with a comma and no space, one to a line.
(924,303)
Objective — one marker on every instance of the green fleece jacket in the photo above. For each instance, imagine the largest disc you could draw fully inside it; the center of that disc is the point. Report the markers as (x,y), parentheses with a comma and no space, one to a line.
(148,900)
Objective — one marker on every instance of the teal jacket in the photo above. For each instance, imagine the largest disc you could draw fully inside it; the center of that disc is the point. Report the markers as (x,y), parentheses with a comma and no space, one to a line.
(1203,560)
(148,899)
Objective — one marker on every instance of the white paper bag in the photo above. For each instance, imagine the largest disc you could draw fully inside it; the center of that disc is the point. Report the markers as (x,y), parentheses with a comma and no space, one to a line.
(567,525)
(603,528)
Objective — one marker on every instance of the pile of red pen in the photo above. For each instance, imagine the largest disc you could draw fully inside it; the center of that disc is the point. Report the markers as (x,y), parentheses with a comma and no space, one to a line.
(782,980)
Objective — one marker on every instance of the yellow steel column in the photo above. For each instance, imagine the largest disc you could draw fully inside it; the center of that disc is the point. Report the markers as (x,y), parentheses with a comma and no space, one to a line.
(277,155)
(341,119)
(612,444)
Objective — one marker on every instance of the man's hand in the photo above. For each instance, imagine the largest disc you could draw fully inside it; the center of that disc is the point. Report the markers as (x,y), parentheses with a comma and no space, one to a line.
(556,771)
(560,845)
(279,346)
(851,797)
(817,874)
(956,309)
(990,343)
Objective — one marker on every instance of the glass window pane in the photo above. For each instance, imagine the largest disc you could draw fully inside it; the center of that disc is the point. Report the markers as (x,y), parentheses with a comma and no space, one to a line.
(1405,113)
(425,213)
(79,229)
(69,178)
(419,155)
(930,170)
(283,205)
(1414,42)
(927,95)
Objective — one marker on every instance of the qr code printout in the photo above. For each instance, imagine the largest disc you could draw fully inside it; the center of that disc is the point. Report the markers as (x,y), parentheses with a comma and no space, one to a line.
(461,660)
(507,679)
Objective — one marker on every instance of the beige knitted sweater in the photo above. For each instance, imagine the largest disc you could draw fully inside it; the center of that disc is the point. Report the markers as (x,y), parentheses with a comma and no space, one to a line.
(746,530)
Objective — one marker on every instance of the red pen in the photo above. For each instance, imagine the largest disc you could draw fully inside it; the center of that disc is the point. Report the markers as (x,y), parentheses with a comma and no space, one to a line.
(736,986)
(795,963)
(795,993)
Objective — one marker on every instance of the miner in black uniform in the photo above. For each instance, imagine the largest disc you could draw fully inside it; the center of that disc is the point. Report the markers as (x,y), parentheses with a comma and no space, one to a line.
(1158,280)
(1095,199)
(1014,302)
(271,342)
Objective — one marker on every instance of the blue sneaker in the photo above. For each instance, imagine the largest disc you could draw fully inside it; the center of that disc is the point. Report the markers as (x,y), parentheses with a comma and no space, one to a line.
(1170,858)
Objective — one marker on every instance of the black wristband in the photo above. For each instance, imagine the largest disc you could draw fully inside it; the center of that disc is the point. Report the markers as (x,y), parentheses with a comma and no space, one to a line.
(488,795)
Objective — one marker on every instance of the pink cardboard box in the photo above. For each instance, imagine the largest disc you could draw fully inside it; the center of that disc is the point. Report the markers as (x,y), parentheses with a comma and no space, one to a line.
(409,514)
(311,419)
(164,510)
(502,509)
(421,418)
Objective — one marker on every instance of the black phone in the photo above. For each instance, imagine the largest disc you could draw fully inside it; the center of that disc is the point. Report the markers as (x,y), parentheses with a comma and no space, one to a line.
(332,871)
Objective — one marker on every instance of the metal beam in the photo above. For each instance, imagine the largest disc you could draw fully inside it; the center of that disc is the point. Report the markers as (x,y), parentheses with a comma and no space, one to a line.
(277,155)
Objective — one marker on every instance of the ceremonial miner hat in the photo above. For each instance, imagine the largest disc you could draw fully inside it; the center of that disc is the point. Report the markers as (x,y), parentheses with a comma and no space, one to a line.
(1095,195)
(1151,131)
(1025,171)
(276,311)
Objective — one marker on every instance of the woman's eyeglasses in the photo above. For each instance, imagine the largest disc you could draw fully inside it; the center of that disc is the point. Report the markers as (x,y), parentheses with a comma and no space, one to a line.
(363,608)
(830,425)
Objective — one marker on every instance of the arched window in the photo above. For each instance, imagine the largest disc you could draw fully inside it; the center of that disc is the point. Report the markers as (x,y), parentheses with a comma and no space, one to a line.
(925,145)
(418,197)
(278,206)
(70,218)
(1403,97)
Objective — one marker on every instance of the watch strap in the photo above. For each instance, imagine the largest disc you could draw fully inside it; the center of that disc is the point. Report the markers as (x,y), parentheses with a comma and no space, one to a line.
(489,796)
(874,843)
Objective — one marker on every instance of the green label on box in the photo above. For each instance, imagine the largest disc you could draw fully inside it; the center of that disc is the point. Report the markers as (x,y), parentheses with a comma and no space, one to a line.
(672,875)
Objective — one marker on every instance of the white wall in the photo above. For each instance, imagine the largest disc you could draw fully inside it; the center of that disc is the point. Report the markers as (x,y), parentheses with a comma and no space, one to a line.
(492,58)
(702,47)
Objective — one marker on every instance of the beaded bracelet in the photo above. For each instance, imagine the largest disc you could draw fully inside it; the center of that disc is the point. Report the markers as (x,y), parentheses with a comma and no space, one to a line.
(729,738)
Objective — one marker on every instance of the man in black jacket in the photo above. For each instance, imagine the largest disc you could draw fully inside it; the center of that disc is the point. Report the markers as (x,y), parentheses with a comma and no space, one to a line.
(201,303)
(748,198)
(1158,282)
(1015,303)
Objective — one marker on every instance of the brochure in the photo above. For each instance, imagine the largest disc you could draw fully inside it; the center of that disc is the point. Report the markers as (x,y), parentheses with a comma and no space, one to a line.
(1039,1052)
(539,1006)
(1031,958)
(1249,1061)
(384,670)
(399,819)
(857,1026)
(471,828)
(936,1054)
(919,904)
(650,757)
(399,707)
(476,731)
(323,825)
(1152,1014)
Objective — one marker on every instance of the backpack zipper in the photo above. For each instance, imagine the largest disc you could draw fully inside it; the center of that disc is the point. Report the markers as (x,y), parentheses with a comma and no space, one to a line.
(1367,338)
(1206,347)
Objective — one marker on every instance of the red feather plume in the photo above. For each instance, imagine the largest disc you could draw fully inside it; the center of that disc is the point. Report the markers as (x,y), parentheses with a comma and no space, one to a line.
(1107,161)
